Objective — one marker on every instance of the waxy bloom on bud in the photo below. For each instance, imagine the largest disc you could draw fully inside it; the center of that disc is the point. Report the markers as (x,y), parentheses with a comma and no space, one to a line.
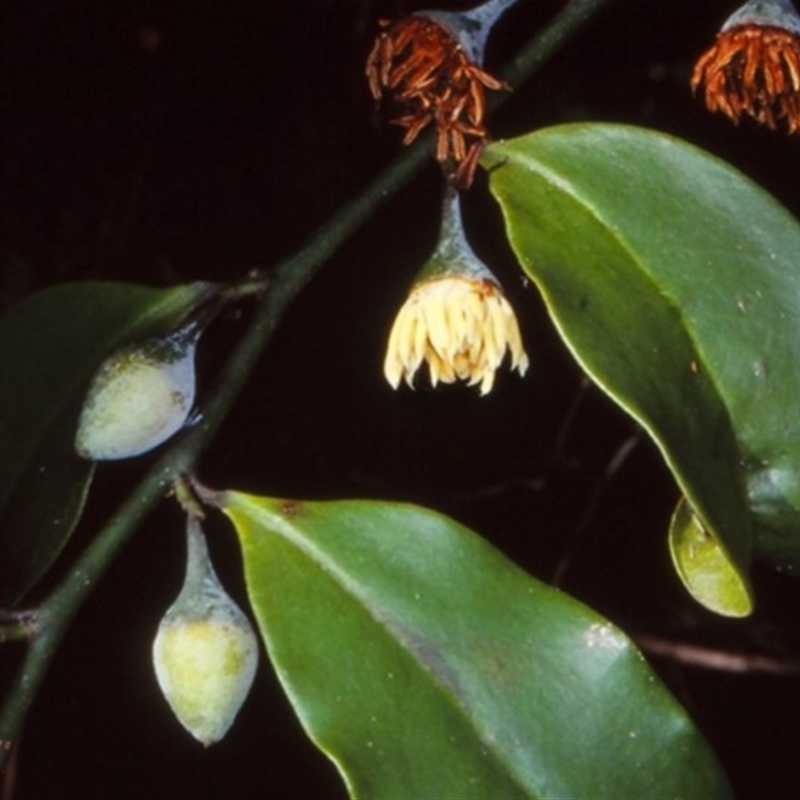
(205,652)
(140,396)
(430,62)
(456,317)
(753,68)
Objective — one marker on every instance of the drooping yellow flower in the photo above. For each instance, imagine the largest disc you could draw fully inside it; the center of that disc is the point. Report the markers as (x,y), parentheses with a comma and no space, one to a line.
(456,317)
(753,68)
(461,326)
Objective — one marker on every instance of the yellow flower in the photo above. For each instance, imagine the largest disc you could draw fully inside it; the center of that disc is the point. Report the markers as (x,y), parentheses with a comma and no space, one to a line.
(461,325)
(753,68)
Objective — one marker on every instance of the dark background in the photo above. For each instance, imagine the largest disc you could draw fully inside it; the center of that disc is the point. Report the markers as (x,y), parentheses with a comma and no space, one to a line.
(163,142)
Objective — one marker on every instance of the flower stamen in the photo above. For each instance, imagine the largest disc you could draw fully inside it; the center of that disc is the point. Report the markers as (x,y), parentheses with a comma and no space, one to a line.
(753,68)
(461,326)
(424,66)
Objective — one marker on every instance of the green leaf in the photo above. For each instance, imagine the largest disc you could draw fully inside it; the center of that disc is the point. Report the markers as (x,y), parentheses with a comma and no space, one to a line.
(426,664)
(704,567)
(50,345)
(674,281)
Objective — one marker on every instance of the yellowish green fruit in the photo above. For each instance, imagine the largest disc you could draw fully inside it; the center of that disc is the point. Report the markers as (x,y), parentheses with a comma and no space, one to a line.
(140,396)
(205,652)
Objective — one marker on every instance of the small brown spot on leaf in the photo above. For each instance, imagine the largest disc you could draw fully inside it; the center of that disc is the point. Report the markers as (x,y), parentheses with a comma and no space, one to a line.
(291,508)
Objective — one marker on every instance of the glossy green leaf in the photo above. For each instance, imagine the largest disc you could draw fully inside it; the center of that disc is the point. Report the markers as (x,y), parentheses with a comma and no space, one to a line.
(426,664)
(674,280)
(704,567)
(50,345)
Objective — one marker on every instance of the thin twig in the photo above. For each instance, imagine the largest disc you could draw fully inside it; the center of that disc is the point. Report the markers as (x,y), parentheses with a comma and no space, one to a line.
(538,483)
(716,659)
(619,457)
(19,624)
(569,419)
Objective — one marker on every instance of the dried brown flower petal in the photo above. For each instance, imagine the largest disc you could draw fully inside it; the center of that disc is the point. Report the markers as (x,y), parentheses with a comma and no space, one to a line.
(753,70)
(435,83)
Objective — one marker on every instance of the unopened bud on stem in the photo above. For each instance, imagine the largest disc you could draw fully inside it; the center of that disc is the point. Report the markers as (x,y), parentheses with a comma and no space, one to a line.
(205,652)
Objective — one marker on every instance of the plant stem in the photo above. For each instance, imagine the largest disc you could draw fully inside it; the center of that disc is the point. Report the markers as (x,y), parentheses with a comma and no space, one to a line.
(287,280)
(543,47)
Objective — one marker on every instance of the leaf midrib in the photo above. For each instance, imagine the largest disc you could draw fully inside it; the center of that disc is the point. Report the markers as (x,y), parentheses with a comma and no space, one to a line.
(613,230)
(349,586)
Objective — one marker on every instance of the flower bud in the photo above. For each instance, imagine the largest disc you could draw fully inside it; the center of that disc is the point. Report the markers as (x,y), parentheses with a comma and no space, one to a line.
(205,652)
(139,397)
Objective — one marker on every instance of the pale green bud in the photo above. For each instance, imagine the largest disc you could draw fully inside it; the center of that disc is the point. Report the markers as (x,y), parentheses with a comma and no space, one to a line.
(140,396)
(205,652)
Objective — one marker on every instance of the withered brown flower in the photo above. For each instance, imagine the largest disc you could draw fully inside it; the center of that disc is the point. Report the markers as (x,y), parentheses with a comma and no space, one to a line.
(753,68)
(425,69)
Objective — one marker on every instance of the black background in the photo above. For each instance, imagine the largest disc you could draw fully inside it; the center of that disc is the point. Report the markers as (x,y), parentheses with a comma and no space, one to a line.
(171,141)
